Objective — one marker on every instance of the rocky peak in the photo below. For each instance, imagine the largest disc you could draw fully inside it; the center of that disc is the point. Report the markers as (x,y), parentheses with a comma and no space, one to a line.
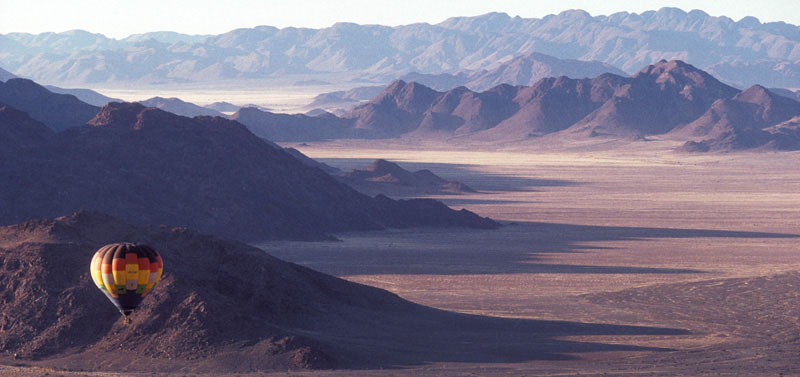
(770,107)
(671,71)
(408,96)
(117,114)
(685,78)
(381,166)
(755,94)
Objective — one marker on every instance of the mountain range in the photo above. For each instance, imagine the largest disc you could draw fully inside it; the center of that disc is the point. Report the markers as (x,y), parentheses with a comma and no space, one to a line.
(669,99)
(742,53)
(661,100)
(524,70)
(149,166)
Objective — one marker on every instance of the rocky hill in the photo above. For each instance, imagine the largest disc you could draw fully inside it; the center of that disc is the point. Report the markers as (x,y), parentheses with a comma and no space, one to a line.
(179,107)
(57,111)
(397,110)
(345,99)
(784,135)
(742,121)
(312,162)
(655,100)
(223,107)
(388,178)
(51,309)
(226,307)
(149,166)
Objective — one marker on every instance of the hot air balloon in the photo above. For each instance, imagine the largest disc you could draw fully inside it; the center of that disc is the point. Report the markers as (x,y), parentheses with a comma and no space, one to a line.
(126,272)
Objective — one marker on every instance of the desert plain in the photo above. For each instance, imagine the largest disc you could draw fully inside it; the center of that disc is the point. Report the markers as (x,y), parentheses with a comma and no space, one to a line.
(702,248)
(624,257)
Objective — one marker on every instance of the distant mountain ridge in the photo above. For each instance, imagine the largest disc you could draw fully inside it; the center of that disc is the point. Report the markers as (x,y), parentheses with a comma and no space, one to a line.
(743,52)
(179,107)
(86,95)
(527,69)
(660,99)
(651,102)
(669,99)
(524,70)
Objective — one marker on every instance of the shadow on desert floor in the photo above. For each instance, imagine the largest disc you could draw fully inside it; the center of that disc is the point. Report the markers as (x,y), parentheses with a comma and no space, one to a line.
(423,335)
(514,248)
(464,173)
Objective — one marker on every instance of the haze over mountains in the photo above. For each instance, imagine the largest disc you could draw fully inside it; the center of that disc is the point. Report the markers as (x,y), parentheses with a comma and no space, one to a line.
(743,52)
(523,70)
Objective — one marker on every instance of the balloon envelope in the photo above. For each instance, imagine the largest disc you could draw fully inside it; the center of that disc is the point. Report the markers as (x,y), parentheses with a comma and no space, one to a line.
(126,273)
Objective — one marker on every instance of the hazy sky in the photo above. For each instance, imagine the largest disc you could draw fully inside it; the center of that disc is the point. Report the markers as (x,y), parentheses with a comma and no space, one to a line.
(120,18)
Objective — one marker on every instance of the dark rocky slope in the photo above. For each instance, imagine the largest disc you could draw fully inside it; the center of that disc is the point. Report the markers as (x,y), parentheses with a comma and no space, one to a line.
(18,130)
(57,111)
(225,307)
(149,166)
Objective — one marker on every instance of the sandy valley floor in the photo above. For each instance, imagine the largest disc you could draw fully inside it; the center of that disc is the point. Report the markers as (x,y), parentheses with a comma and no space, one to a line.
(707,245)
(612,239)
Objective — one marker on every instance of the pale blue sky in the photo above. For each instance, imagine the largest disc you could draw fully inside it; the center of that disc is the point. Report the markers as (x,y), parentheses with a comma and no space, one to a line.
(120,18)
